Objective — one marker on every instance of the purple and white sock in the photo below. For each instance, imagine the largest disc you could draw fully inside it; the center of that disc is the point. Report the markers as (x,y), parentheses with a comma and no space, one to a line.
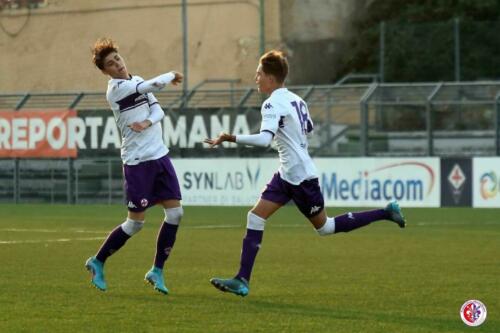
(118,237)
(167,235)
(351,221)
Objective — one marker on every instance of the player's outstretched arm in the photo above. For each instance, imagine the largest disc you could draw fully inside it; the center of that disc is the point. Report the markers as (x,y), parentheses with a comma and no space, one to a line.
(158,83)
(223,137)
(263,139)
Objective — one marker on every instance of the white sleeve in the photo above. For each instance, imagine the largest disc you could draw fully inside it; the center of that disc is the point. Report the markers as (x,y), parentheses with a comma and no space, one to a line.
(120,89)
(155,84)
(151,99)
(262,139)
(270,118)
(156,114)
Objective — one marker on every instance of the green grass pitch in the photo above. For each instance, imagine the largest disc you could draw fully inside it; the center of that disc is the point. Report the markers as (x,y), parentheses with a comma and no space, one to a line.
(376,279)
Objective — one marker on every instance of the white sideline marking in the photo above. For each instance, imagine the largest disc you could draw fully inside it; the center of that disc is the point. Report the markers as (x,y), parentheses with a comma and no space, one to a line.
(229,226)
(52,230)
(51,240)
(214,226)
(61,240)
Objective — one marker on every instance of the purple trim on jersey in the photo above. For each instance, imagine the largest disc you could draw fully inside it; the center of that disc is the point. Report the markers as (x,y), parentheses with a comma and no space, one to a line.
(137,86)
(154,103)
(149,182)
(307,195)
(268,131)
(132,107)
(131,101)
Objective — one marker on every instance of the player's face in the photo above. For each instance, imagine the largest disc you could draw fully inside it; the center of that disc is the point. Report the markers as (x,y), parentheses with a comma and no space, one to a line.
(114,66)
(264,82)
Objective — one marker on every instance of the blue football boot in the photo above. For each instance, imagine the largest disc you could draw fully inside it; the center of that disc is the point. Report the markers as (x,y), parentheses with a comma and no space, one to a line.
(96,268)
(395,214)
(237,286)
(155,277)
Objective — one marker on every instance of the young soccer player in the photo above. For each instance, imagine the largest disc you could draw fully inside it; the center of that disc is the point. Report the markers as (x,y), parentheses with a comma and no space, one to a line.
(150,177)
(285,117)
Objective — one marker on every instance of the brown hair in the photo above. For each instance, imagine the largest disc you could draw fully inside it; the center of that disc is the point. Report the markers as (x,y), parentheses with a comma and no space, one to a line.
(274,63)
(102,47)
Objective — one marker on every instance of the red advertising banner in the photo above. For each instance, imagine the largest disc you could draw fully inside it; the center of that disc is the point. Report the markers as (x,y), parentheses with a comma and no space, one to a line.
(37,133)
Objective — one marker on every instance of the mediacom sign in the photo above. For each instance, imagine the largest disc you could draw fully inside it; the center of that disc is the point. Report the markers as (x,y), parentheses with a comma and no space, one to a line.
(486,182)
(413,182)
(38,134)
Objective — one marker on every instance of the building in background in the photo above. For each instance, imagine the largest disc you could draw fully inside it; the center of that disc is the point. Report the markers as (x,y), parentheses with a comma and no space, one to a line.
(47,47)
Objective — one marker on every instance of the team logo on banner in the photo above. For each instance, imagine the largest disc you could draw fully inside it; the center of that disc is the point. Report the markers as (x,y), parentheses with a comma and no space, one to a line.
(489,185)
(456,178)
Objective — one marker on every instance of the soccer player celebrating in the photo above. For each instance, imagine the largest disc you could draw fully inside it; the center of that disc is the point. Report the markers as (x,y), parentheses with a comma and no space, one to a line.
(150,177)
(286,119)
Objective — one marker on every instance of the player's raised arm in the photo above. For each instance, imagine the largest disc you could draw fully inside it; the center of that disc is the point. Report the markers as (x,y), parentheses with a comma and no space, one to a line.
(158,83)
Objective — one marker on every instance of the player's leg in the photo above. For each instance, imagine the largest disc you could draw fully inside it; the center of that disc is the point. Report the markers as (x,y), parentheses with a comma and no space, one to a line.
(137,188)
(273,197)
(347,222)
(351,221)
(167,190)
(168,231)
(310,202)
(115,240)
(256,219)
(164,243)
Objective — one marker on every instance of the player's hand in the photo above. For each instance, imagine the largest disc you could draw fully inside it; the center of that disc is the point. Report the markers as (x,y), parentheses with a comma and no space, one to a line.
(220,139)
(177,79)
(139,126)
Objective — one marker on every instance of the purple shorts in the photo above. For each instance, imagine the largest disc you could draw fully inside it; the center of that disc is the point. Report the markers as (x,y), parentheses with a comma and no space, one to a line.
(149,182)
(307,195)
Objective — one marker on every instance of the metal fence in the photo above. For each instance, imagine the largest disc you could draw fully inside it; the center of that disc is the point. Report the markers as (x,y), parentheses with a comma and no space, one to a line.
(453,50)
(376,119)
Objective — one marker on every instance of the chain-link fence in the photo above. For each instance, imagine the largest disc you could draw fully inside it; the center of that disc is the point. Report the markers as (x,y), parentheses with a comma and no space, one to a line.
(425,119)
(456,50)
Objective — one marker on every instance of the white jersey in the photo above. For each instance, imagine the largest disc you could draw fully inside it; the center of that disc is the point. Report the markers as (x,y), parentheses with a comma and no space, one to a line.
(130,106)
(286,116)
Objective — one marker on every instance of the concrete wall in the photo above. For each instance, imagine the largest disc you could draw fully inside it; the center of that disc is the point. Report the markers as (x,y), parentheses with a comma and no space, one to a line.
(316,34)
(51,51)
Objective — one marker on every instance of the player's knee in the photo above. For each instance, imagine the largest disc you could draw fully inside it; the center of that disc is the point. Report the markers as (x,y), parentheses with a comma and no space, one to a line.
(131,227)
(328,228)
(173,215)
(255,222)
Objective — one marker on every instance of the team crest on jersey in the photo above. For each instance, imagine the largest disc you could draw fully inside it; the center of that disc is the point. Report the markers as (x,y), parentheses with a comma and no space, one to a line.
(144,202)
(268,106)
